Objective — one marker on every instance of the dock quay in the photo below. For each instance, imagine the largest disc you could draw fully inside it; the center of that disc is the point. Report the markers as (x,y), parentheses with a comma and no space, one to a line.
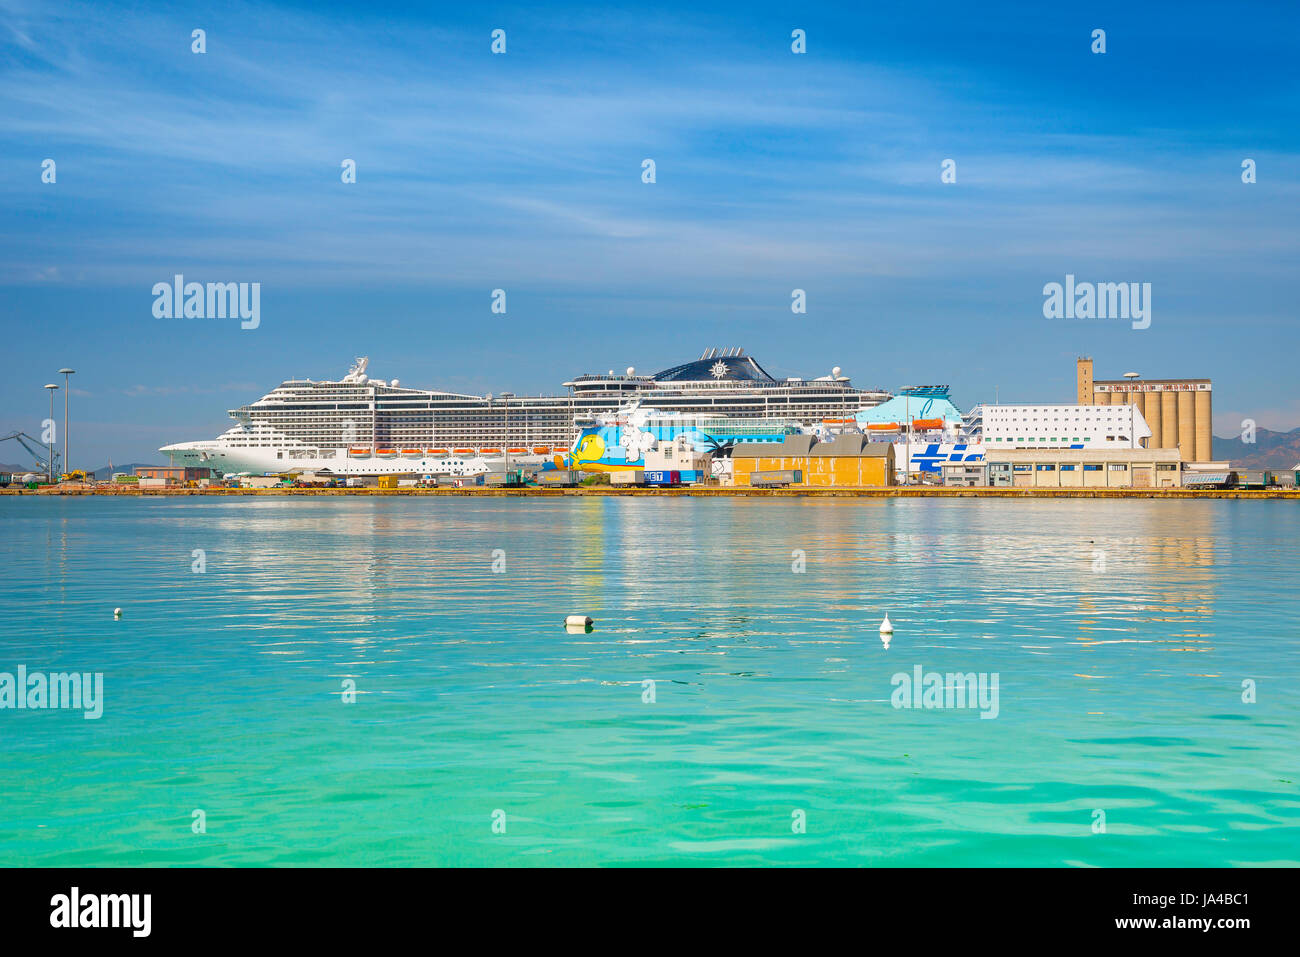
(605,491)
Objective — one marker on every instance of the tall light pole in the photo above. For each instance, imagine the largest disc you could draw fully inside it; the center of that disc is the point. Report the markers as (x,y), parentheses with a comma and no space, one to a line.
(67,389)
(49,449)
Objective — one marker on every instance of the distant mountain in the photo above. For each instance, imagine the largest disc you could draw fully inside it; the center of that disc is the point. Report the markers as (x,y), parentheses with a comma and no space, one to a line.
(1270,450)
(16,468)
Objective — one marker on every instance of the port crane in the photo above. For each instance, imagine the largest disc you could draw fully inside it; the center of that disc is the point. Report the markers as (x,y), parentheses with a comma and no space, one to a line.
(37,451)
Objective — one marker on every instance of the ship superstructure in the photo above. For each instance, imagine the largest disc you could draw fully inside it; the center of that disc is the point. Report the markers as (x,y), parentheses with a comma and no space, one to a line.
(362,425)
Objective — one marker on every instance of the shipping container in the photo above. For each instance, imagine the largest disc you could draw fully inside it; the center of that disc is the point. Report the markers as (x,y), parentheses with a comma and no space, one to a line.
(1250,478)
(1195,479)
(663,478)
(774,478)
(559,477)
(630,477)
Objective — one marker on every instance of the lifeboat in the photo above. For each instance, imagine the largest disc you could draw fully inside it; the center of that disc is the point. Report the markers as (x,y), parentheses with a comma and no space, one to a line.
(927,424)
(490,451)
(883,426)
(517,451)
(385,451)
(541,449)
(436,451)
(412,452)
(365,451)
(463,451)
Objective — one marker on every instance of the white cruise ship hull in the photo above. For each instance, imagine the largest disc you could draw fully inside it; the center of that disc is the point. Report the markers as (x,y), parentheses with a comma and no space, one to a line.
(225,459)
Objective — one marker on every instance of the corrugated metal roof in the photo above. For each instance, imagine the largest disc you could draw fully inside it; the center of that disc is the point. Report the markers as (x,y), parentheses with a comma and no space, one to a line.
(845,445)
(793,445)
(853,445)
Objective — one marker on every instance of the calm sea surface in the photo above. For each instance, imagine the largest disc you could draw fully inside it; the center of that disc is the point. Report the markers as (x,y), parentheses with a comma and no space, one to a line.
(1120,632)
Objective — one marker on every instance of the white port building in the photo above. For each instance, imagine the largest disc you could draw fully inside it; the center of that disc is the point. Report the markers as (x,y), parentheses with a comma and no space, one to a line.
(1063,427)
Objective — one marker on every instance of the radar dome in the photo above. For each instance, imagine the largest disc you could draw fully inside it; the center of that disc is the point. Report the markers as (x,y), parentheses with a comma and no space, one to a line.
(631,371)
(836,372)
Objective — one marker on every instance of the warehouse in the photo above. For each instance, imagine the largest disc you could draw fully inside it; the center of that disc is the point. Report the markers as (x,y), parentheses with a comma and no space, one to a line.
(848,460)
(1088,468)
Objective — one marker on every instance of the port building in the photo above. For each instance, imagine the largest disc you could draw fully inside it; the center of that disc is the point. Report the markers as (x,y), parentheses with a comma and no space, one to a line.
(1084,468)
(850,459)
(1064,427)
(1178,411)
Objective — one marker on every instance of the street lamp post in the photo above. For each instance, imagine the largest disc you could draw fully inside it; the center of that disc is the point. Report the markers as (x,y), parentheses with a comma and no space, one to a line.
(49,448)
(67,390)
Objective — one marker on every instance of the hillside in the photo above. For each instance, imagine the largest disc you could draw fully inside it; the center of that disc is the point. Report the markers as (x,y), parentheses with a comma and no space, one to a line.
(1270,450)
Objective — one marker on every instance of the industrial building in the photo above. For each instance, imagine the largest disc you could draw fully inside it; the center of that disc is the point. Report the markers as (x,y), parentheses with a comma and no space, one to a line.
(1064,426)
(172,474)
(1085,468)
(678,455)
(848,460)
(1178,411)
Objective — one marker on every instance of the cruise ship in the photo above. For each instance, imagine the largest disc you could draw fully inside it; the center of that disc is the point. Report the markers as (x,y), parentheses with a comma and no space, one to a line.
(359,425)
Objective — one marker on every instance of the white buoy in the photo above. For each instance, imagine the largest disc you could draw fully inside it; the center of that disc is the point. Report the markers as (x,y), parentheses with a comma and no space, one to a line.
(884,639)
(117,612)
(578,621)
(885,627)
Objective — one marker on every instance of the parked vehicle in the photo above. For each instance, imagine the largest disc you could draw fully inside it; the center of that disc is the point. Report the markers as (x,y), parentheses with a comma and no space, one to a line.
(776,478)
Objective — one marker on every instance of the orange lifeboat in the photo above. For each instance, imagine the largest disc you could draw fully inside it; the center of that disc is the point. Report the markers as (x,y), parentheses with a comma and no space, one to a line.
(463,451)
(517,451)
(436,451)
(358,451)
(412,452)
(927,424)
(386,451)
(883,426)
(490,451)
(541,449)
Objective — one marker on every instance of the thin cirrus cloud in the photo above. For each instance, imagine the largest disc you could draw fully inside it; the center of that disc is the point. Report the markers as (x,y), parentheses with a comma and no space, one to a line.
(831,155)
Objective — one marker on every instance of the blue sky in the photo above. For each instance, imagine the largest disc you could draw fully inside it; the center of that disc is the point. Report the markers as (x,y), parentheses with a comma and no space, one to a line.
(775,171)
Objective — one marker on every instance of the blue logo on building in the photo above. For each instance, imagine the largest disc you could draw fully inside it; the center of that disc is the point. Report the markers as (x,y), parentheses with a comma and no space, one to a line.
(933,459)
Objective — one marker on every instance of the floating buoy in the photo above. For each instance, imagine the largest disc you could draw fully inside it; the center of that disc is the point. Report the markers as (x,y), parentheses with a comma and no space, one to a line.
(885,627)
(117,612)
(884,639)
(579,621)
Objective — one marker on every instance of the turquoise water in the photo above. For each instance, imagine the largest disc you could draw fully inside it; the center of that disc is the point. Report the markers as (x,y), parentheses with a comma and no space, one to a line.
(1120,631)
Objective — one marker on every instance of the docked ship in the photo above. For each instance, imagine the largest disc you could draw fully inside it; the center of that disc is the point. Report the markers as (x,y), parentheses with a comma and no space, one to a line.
(927,430)
(619,441)
(359,425)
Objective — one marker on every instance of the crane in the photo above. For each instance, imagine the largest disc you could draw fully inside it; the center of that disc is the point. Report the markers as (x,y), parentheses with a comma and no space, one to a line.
(36,451)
